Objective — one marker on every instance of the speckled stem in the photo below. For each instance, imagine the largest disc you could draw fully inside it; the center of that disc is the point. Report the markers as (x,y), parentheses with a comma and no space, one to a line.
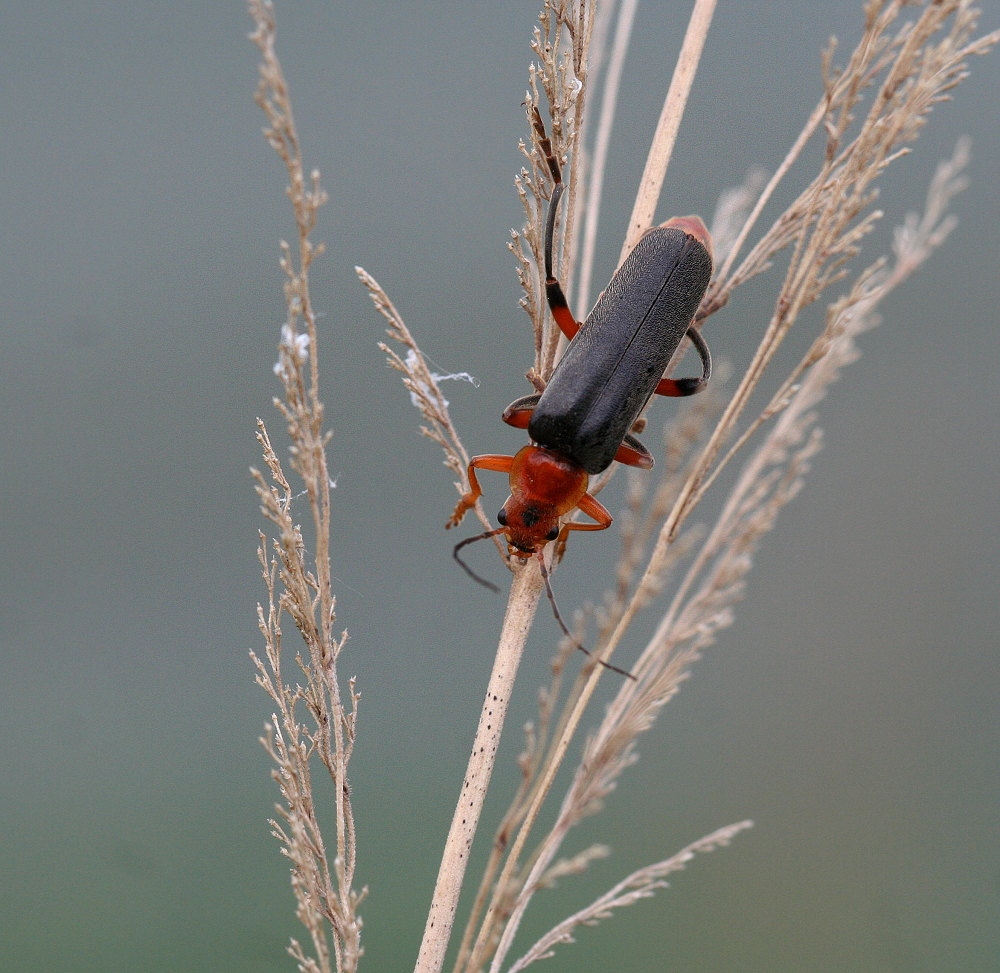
(524,593)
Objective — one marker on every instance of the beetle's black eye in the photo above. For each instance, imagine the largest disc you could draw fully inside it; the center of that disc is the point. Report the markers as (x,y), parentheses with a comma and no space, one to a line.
(502,517)
(552,534)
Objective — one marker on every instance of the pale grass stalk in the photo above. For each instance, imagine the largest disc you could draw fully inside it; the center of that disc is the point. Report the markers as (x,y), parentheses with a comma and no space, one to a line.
(666,128)
(524,593)
(529,762)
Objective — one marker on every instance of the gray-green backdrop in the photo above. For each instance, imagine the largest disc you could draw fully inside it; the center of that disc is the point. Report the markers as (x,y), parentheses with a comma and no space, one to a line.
(852,711)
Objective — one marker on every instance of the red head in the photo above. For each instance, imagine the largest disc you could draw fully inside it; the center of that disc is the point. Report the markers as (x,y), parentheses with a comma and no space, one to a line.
(544,486)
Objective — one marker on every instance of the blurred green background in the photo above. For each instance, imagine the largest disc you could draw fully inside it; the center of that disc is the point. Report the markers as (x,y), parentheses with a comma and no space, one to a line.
(852,711)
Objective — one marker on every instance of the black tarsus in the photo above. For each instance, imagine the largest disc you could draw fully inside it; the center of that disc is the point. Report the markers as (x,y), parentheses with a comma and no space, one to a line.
(553,289)
(550,229)
(693,385)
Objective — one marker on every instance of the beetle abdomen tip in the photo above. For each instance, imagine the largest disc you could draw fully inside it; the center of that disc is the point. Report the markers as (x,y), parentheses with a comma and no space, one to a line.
(693,226)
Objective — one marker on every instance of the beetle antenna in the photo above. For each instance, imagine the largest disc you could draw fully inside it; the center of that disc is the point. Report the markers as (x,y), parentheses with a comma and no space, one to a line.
(465,567)
(566,632)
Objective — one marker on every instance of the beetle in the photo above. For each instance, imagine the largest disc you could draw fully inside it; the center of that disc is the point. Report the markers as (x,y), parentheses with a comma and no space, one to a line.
(613,365)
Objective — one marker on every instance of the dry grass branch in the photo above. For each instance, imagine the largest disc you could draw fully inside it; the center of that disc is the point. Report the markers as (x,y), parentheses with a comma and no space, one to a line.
(641,884)
(826,224)
(425,391)
(561,43)
(300,585)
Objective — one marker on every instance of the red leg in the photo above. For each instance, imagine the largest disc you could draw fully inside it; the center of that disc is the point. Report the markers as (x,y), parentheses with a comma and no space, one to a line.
(491,461)
(592,508)
(518,413)
(633,453)
(568,325)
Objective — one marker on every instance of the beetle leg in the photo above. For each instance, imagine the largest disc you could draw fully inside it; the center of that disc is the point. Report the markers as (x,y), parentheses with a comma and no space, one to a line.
(568,325)
(688,386)
(592,507)
(518,413)
(633,453)
(491,461)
